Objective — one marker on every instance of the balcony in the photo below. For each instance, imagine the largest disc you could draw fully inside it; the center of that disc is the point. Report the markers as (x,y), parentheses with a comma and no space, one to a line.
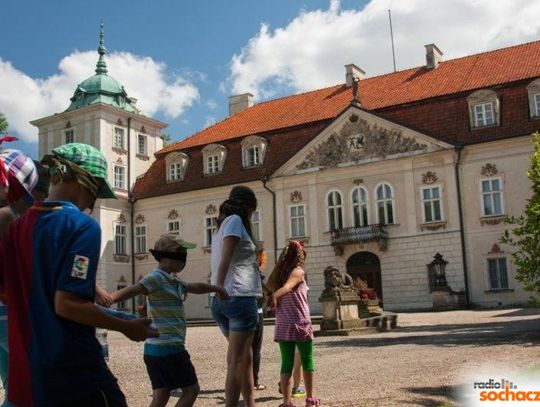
(371,233)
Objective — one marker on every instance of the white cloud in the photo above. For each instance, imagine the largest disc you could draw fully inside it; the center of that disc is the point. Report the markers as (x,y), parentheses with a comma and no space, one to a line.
(312,49)
(24,98)
(211,104)
(210,120)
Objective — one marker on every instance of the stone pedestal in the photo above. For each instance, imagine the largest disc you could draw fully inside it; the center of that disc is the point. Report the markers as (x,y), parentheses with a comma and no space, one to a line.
(340,311)
(445,298)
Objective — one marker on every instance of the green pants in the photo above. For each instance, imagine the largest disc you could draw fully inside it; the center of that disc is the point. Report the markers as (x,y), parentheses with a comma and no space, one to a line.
(287,356)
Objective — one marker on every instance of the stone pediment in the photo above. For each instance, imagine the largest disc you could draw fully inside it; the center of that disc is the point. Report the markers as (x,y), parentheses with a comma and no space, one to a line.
(359,140)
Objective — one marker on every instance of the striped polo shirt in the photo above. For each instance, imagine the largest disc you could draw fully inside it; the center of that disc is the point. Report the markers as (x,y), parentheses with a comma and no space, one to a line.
(166,295)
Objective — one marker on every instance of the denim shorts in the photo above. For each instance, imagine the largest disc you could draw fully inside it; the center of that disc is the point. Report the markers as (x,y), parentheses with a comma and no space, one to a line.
(237,314)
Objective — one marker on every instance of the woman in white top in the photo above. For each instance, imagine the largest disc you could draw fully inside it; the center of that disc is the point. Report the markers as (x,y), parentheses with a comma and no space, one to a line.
(235,267)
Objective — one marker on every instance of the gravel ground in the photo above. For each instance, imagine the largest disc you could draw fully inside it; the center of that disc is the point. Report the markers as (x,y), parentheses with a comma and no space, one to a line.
(421,363)
(424,362)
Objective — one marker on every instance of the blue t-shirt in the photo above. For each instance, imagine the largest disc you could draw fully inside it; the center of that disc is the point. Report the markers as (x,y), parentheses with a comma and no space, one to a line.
(52,247)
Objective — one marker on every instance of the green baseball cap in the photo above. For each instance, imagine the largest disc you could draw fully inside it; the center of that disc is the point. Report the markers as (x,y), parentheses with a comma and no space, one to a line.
(89,159)
(170,242)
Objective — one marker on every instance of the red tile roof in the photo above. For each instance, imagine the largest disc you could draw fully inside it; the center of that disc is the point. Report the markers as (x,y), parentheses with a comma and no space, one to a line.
(412,85)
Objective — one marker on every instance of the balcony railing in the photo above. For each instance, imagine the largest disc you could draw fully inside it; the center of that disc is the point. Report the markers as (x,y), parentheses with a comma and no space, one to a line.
(344,236)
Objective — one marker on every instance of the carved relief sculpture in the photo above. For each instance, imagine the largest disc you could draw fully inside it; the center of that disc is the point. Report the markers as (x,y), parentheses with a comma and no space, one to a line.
(429,178)
(210,209)
(173,214)
(489,170)
(357,141)
(296,197)
(139,219)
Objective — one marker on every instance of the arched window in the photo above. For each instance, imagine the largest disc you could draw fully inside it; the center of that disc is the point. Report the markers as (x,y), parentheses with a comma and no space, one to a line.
(385,204)
(533,90)
(483,108)
(334,203)
(359,200)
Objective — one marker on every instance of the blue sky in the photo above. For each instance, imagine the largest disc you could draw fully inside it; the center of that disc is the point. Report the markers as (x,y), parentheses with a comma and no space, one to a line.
(182,59)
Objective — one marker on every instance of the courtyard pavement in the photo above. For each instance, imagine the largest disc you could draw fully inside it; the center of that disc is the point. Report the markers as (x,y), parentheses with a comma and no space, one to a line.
(424,362)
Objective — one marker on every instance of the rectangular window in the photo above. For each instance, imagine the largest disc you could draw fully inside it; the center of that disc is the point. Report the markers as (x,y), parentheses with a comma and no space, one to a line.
(483,114)
(119,177)
(210,227)
(141,147)
(118,141)
(69,136)
(256,224)
(140,239)
(212,164)
(537,104)
(492,197)
(253,156)
(173,226)
(175,169)
(120,239)
(121,304)
(498,275)
(298,220)
(431,203)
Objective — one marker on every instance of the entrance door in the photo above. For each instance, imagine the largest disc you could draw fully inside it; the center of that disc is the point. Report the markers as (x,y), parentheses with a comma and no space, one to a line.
(367,266)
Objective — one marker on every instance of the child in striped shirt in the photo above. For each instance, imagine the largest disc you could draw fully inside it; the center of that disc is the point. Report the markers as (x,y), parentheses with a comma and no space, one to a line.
(167,361)
(293,328)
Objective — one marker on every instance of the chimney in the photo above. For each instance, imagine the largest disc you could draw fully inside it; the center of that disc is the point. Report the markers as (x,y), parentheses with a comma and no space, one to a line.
(237,103)
(433,56)
(352,71)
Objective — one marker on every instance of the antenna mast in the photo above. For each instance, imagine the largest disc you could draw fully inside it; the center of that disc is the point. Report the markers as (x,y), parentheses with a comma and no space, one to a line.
(392,39)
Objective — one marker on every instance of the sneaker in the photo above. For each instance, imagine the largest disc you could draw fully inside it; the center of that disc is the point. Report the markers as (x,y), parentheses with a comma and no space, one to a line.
(299,391)
(176,393)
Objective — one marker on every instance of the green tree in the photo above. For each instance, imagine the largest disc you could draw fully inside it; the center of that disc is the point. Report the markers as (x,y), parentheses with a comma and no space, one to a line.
(525,236)
(166,137)
(3,123)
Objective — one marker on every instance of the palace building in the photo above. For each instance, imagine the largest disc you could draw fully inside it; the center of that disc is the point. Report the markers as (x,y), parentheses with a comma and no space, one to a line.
(377,175)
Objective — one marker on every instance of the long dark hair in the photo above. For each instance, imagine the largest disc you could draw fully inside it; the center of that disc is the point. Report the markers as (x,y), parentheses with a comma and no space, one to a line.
(241,198)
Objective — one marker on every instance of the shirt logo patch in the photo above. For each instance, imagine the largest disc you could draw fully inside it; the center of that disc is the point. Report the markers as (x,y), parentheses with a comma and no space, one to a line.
(80,267)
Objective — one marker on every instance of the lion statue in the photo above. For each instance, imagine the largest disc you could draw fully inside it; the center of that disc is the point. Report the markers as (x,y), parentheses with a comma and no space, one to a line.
(336,282)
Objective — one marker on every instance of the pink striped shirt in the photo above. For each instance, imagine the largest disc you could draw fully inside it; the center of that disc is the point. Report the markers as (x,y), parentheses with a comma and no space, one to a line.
(293,320)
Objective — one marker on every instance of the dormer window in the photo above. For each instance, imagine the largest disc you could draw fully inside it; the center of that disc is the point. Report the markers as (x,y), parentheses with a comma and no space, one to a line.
(533,89)
(213,158)
(483,115)
(253,151)
(176,164)
(483,109)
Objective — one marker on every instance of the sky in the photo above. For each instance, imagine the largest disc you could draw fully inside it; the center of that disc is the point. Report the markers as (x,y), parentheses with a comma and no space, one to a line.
(183,59)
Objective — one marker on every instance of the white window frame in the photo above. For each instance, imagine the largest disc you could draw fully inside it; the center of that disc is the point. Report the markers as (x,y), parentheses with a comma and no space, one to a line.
(483,111)
(212,164)
(334,209)
(536,98)
(209,227)
(123,181)
(175,170)
(144,151)
(491,193)
(497,259)
(120,239)
(172,226)
(122,145)
(431,201)
(360,205)
(256,224)
(384,200)
(140,239)
(71,133)
(298,218)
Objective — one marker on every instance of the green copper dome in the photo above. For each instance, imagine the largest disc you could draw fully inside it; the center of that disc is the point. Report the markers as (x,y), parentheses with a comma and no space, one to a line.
(101,88)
